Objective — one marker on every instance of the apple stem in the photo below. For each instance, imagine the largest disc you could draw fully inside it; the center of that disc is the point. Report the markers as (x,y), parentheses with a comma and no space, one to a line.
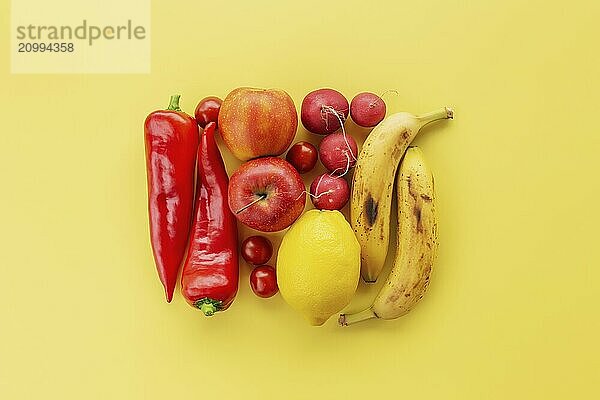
(259,198)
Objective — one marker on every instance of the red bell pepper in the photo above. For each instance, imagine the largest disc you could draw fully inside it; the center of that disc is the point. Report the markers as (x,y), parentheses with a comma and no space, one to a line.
(171,138)
(210,274)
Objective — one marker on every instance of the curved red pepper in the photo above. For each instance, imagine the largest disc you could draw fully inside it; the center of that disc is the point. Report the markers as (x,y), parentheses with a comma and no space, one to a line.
(210,273)
(171,138)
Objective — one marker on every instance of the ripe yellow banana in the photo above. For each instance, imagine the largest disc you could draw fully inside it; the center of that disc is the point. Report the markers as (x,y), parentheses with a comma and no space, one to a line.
(417,243)
(373,182)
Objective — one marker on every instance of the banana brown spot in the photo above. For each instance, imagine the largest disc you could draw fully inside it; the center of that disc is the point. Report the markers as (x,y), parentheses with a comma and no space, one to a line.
(371,207)
(393,298)
(417,212)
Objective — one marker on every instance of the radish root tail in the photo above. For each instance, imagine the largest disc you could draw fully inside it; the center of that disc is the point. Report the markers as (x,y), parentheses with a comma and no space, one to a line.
(380,97)
(339,116)
(347,169)
(315,196)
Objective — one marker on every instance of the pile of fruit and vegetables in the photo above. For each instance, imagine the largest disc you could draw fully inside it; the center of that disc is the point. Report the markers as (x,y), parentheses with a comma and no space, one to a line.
(195,207)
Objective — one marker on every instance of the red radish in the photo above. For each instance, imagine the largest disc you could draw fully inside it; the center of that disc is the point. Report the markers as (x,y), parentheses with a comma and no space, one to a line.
(303,156)
(367,109)
(324,111)
(338,153)
(329,192)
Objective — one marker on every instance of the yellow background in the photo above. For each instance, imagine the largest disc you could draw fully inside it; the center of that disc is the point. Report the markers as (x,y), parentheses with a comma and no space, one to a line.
(513,308)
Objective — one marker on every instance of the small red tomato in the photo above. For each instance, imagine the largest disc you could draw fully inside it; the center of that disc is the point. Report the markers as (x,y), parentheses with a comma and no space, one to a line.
(257,250)
(303,156)
(208,111)
(263,281)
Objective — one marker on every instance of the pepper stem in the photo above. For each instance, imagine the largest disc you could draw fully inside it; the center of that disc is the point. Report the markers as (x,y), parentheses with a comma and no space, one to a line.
(174,103)
(349,319)
(208,309)
(208,306)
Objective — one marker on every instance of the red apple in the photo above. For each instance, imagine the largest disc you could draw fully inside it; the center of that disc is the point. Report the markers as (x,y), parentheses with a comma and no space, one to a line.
(257,122)
(266,194)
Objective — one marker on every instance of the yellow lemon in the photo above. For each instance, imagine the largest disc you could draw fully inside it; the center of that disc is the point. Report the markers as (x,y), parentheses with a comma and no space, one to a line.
(318,265)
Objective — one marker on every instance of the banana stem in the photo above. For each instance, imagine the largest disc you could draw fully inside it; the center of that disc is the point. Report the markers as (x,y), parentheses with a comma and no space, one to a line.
(442,113)
(349,319)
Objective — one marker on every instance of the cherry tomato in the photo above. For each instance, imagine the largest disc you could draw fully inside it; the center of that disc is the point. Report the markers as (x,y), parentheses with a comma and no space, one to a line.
(263,281)
(208,111)
(303,156)
(257,250)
